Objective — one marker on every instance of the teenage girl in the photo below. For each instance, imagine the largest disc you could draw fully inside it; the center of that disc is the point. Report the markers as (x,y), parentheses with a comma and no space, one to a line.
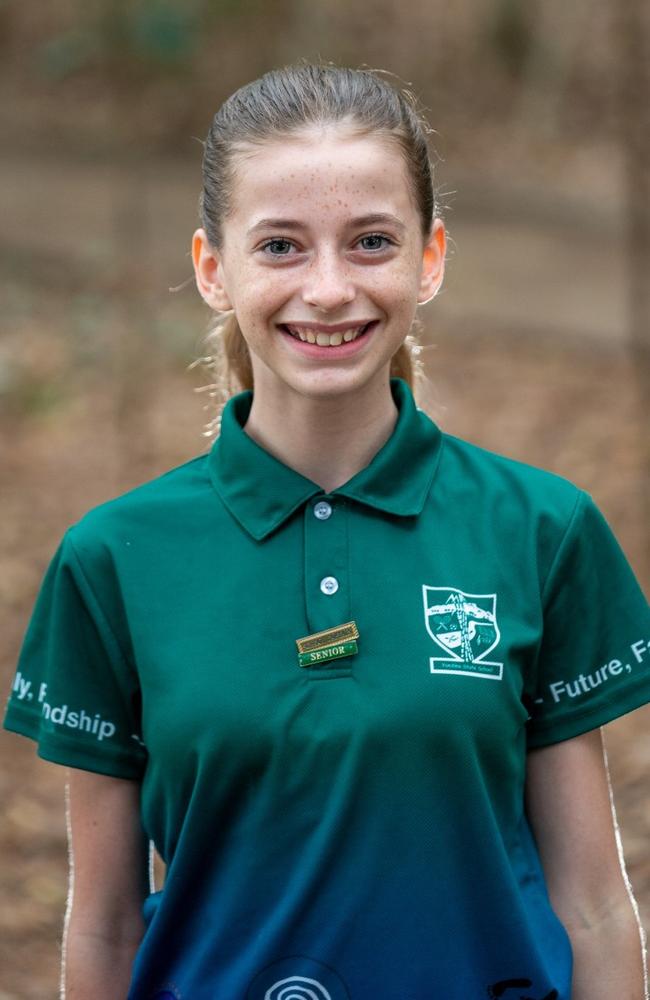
(347,672)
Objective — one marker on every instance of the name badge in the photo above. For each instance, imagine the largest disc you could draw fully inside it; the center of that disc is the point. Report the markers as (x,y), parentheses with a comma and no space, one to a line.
(330,644)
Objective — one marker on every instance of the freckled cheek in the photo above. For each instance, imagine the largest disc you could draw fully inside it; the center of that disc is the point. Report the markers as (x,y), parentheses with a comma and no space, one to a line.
(259,291)
(396,287)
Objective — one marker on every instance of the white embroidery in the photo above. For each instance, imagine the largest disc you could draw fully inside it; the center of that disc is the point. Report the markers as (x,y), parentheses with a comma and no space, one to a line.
(297,988)
(464,626)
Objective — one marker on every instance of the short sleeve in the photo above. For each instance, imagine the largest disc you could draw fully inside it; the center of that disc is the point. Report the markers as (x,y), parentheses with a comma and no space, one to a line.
(594,657)
(74,692)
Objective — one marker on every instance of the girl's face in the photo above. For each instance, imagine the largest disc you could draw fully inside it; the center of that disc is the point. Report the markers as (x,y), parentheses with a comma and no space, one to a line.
(323,238)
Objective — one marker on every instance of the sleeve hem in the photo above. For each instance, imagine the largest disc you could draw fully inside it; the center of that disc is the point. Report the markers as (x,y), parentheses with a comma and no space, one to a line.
(599,715)
(116,763)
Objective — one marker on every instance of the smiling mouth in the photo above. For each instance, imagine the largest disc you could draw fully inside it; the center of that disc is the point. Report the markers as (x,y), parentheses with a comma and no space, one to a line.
(322,339)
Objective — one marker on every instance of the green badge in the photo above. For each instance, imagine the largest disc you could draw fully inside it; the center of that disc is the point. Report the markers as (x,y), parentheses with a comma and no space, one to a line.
(330,644)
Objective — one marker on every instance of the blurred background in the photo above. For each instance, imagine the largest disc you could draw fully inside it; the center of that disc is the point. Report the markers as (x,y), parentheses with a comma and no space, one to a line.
(537,346)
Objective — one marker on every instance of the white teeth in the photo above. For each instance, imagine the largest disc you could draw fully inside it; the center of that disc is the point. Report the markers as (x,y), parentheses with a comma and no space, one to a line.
(325,339)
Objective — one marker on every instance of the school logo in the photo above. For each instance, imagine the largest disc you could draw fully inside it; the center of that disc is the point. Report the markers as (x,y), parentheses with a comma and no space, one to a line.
(300,987)
(465,627)
(298,977)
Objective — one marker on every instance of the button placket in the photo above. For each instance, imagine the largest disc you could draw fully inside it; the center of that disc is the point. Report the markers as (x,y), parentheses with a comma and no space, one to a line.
(327,592)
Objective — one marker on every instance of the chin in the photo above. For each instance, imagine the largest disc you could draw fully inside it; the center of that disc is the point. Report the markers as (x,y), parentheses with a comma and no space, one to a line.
(328,384)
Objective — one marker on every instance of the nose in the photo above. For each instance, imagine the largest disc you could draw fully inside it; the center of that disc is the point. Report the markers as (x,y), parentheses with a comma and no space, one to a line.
(328,284)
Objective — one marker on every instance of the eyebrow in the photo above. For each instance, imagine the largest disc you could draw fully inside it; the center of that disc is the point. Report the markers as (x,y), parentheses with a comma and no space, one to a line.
(373,219)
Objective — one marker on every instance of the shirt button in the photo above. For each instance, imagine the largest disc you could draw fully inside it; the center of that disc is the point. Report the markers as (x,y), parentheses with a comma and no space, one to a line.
(329,585)
(322,510)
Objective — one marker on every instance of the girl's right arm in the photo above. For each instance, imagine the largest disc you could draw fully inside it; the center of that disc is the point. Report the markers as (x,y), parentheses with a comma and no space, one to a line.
(109,880)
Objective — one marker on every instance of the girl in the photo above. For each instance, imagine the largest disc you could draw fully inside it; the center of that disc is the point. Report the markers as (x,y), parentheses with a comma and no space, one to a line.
(346,671)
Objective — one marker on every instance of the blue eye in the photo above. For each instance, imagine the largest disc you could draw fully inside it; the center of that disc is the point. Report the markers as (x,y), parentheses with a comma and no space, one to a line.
(281,247)
(277,243)
(377,237)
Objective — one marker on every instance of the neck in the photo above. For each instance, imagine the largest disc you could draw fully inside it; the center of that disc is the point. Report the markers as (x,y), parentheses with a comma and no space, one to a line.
(327,439)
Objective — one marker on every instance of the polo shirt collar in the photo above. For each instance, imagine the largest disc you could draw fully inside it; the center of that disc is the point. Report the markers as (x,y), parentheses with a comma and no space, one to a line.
(261,492)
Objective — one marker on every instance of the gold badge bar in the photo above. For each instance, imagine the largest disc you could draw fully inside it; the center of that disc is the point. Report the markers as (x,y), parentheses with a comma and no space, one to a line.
(328,637)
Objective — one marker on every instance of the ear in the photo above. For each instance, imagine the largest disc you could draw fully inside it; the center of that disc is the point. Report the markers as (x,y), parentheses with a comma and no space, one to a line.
(208,269)
(433,263)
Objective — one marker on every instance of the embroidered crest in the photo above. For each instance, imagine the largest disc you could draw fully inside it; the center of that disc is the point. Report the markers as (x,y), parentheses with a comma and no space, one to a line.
(465,627)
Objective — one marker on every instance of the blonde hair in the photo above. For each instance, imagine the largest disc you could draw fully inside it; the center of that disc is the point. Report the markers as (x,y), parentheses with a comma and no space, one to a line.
(277,105)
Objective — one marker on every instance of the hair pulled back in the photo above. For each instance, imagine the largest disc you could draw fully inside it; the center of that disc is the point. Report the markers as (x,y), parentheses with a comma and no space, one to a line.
(275,106)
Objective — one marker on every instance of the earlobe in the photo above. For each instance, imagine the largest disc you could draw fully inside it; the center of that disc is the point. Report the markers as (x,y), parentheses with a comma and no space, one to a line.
(208,270)
(433,263)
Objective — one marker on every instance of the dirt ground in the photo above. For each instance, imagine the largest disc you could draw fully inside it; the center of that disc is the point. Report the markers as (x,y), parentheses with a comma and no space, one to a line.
(573,411)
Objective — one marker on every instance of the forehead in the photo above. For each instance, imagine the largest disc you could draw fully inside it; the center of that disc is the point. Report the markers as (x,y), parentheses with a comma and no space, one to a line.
(326,171)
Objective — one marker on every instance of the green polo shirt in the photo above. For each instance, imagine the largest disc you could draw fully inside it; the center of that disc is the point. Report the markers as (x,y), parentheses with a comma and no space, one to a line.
(350,827)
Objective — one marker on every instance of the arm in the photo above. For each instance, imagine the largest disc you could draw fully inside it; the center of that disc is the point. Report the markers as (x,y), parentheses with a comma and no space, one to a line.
(108,883)
(569,805)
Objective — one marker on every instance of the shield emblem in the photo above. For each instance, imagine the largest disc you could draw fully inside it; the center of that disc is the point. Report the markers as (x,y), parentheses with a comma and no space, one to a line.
(465,627)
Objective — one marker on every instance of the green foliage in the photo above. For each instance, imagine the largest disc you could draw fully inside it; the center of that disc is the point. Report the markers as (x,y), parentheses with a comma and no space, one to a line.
(67,53)
(27,394)
(155,36)
(511,32)
(161,32)
(165,33)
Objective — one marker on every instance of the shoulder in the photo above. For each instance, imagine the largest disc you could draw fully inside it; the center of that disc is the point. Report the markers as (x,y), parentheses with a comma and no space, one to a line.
(507,486)
(526,511)
(151,510)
